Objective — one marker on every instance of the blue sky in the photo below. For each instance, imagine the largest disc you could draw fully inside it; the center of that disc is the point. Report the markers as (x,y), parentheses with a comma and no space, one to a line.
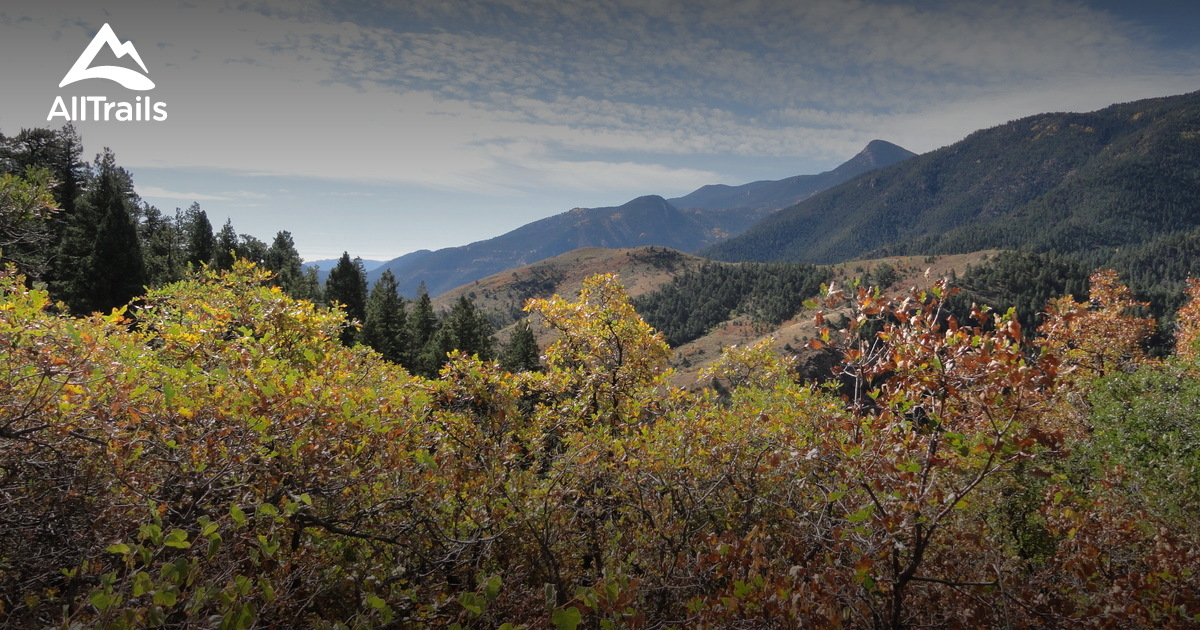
(385,127)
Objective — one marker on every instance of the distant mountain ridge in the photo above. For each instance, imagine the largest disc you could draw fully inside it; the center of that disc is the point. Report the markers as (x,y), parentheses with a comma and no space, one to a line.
(701,218)
(776,194)
(1084,183)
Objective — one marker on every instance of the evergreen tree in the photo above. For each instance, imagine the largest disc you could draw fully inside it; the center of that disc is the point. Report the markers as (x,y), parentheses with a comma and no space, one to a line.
(162,246)
(117,268)
(425,352)
(468,330)
(226,250)
(101,243)
(283,259)
(202,245)
(384,328)
(27,210)
(251,249)
(521,354)
(309,287)
(60,152)
(347,285)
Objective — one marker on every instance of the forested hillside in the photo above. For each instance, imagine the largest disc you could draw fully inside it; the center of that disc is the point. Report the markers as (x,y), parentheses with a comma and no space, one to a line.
(1086,184)
(695,301)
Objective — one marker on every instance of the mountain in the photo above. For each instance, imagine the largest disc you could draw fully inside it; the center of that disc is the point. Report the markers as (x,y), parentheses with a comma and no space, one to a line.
(701,218)
(776,194)
(1085,183)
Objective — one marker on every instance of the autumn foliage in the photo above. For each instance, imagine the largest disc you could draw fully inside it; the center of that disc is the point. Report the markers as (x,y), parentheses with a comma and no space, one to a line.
(213,457)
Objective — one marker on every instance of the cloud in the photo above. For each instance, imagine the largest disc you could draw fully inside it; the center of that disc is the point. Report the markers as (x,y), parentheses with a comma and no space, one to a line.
(429,93)
(162,193)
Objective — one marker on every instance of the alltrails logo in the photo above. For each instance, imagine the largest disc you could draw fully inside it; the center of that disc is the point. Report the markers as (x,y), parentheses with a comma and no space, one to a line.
(99,107)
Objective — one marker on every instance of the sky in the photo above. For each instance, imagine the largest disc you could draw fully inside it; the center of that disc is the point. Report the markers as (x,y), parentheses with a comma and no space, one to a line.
(380,128)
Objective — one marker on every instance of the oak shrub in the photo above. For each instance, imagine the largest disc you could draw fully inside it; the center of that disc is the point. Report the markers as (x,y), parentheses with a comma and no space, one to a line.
(214,457)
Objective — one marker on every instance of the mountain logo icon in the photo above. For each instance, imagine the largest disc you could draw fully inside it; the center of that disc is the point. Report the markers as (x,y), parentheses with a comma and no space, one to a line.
(128,78)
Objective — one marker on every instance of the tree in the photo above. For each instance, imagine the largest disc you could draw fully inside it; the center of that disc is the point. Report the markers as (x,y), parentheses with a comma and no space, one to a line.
(201,244)
(284,261)
(425,357)
(347,286)
(607,352)
(252,249)
(59,151)
(100,251)
(468,330)
(226,249)
(521,354)
(385,326)
(309,286)
(162,246)
(26,210)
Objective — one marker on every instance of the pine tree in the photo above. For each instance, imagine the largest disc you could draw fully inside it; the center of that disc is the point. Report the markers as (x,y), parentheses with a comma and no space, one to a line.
(101,247)
(162,246)
(347,285)
(425,352)
(384,328)
(60,152)
(309,287)
(521,354)
(468,330)
(117,268)
(251,249)
(202,244)
(283,259)
(226,250)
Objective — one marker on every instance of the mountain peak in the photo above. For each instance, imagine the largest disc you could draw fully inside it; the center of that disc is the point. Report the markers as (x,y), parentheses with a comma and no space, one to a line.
(881,153)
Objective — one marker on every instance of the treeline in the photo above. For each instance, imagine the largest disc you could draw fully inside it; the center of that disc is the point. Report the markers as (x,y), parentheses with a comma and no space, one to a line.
(1025,281)
(688,306)
(99,245)
(1156,270)
(410,333)
(82,231)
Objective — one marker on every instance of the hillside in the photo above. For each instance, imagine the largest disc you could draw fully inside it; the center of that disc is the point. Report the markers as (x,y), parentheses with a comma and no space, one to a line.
(503,295)
(706,216)
(1083,183)
(648,274)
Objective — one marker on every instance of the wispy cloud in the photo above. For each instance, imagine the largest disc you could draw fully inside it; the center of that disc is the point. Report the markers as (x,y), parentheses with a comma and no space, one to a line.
(162,193)
(561,99)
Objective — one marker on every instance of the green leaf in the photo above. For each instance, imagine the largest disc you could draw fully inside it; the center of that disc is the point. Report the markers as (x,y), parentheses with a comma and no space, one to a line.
(118,548)
(177,538)
(568,619)
(491,587)
(473,603)
(166,597)
(424,458)
(860,515)
(237,514)
(101,600)
(142,584)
